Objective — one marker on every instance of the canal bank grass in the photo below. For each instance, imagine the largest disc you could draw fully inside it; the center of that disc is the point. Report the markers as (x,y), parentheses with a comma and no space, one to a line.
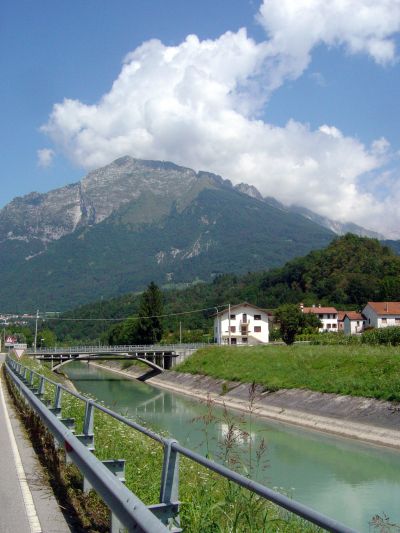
(209,503)
(361,370)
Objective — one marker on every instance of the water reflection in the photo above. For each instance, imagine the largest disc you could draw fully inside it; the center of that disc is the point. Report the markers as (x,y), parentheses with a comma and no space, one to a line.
(343,478)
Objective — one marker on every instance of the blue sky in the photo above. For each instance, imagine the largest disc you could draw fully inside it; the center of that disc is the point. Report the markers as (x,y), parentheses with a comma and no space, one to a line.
(303,104)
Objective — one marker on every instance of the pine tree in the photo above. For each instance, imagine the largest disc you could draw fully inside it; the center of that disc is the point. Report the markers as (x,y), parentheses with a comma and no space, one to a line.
(149,328)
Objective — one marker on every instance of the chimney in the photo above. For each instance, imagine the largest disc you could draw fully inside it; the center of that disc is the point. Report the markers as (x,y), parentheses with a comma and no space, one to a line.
(302,307)
(319,305)
(313,305)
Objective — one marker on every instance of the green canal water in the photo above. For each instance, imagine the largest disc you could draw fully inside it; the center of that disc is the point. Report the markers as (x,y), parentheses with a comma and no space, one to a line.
(342,478)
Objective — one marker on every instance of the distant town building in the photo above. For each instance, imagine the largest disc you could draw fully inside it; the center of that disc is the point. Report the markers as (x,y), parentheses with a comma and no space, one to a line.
(327,315)
(244,324)
(353,323)
(382,314)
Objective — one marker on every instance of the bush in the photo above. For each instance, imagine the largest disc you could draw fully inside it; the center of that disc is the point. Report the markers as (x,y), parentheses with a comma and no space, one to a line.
(390,335)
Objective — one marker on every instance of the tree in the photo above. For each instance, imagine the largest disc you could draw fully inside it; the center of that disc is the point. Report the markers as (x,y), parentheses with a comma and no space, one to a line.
(46,337)
(149,328)
(310,323)
(290,319)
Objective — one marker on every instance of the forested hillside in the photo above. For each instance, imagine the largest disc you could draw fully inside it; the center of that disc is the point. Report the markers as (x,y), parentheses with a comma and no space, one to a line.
(348,273)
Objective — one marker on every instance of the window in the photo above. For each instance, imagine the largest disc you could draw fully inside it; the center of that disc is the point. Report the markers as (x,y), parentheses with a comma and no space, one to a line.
(397,321)
(257,317)
(384,320)
(320,316)
(233,329)
(244,340)
(233,341)
(233,317)
(334,325)
(328,326)
(257,329)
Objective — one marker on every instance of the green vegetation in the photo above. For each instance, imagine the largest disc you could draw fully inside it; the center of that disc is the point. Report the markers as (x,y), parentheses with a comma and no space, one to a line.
(348,273)
(388,336)
(209,503)
(292,321)
(147,328)
(357,370)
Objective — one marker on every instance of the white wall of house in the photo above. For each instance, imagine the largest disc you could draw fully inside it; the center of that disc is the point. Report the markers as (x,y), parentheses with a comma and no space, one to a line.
(328,317)
(248,324)
(352,327)
(376,320)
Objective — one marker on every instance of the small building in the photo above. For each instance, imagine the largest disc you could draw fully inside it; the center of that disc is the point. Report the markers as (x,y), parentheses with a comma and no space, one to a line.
(353,323)
(327,315)
(245,324)
(340,320)
(382,314)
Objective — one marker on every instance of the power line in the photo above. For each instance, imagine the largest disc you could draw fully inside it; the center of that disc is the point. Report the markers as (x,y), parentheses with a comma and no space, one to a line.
(66,319)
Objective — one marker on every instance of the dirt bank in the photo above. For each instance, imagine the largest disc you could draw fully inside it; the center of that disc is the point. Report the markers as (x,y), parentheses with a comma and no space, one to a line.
(365,419)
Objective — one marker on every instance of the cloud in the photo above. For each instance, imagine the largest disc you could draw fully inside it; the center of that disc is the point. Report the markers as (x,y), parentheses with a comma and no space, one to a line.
(45,157)
(198,104)
(318,78)
(295,27)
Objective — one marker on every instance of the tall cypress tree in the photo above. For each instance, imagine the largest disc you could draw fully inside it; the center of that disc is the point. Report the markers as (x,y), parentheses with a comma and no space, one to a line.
(149,328)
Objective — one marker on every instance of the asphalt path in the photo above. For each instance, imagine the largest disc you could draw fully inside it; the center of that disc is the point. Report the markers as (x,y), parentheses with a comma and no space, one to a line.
(27,503)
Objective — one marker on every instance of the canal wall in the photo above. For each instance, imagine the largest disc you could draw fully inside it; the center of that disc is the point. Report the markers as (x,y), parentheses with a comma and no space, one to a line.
(365,419)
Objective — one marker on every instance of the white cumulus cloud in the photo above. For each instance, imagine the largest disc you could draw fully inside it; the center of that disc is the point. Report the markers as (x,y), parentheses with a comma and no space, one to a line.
(295,27)
(196,104)
(45,157)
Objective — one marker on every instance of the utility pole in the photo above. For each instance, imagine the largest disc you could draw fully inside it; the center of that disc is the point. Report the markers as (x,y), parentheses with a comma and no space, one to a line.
(229,322)
(35,341)
(217,316)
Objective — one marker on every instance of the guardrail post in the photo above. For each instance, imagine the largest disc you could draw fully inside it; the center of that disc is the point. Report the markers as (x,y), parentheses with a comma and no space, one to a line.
(168,509)
(56,409)
(41,388)
(87,436)
(88,423)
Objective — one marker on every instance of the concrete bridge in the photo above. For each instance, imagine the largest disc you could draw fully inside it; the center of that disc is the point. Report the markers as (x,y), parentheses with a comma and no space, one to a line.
(157,357)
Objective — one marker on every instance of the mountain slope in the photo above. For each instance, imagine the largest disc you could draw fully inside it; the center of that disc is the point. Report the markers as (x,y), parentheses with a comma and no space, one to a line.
(209,231)
(347,273)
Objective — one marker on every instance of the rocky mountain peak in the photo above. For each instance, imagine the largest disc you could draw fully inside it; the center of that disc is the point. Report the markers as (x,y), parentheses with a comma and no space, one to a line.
(250,190)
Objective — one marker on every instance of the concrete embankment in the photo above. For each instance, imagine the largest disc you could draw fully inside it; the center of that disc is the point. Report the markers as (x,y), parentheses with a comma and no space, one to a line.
(366,419)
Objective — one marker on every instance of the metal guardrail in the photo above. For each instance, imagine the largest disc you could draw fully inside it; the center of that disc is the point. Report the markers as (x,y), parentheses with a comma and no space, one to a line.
(130,511)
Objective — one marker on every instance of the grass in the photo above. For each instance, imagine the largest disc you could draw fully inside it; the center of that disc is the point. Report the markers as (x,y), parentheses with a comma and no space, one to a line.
(357,370)
(209,503)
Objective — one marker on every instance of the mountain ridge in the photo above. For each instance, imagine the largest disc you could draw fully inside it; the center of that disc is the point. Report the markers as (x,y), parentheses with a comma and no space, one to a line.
(135,221)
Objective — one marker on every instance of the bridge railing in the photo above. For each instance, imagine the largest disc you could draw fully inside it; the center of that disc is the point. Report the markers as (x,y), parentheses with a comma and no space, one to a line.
(125,506)
(120,348)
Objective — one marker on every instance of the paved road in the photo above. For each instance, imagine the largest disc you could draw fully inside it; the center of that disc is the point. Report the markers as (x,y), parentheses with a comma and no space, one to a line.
(27,504)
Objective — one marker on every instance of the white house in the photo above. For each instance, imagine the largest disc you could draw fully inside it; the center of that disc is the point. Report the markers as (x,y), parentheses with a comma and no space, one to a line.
(244,324)
(382,314)
(353,323)
(327,315)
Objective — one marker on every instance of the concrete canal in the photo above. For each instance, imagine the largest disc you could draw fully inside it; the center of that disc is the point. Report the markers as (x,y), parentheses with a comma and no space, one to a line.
(342,478)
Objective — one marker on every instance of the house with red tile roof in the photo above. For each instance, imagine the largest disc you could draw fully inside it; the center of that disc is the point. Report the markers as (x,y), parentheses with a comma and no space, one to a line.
(327,315)
(382,314)
(353,323)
